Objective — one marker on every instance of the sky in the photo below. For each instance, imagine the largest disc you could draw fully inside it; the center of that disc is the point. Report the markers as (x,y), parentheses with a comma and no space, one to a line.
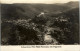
(36,1)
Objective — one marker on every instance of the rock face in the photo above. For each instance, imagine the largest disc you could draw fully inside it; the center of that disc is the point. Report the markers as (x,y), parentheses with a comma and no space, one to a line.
(49,40)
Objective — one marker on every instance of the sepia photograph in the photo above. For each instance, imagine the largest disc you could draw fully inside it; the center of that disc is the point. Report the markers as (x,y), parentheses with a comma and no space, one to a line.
(40,22)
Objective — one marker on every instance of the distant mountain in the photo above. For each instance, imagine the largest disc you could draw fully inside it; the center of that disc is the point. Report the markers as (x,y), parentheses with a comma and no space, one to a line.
(72,4)
(25,11)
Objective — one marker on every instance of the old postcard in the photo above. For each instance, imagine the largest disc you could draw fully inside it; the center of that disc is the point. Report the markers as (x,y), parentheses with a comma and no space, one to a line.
(40,25)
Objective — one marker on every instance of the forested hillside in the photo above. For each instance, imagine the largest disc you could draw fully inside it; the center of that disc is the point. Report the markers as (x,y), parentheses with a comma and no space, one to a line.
(40,24)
